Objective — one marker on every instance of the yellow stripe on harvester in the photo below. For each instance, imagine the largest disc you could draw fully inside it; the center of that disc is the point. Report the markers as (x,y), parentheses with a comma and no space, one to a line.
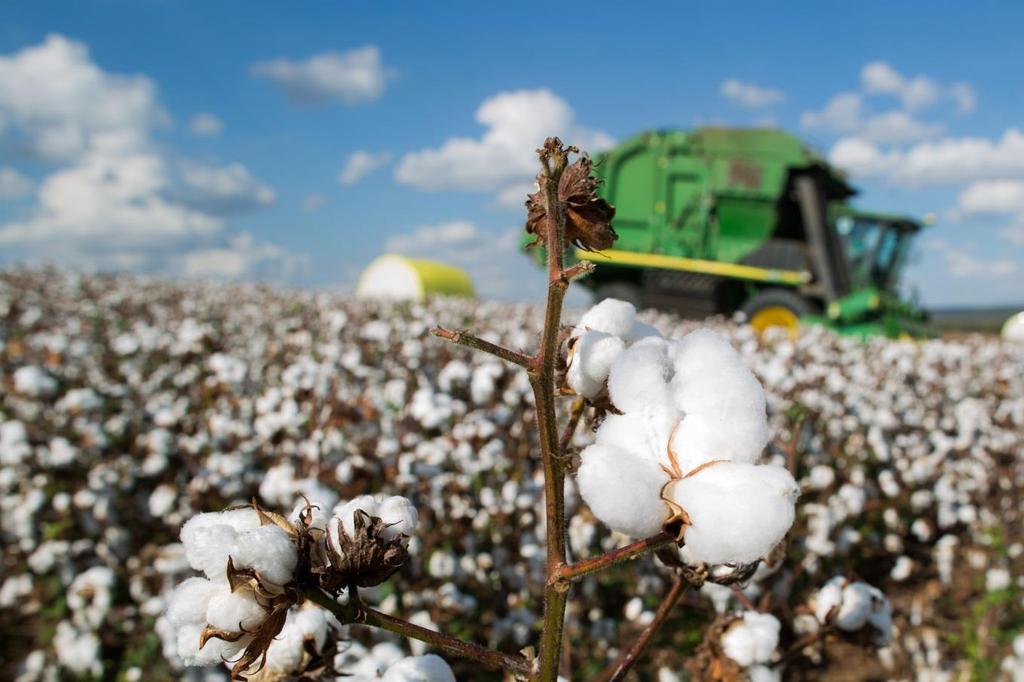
(705,267)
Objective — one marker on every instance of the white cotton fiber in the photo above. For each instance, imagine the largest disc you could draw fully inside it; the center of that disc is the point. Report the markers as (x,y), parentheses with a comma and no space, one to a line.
(720,435)
(644,433)
(188,603)
(214,652)
(610,316)
(235,611)
(640,330)
(400,516)
(207,548)
(269,551)
(590,361)
(427,668)
(623,490)
(738,512)
(752,639)
(346,511)
(639,376)
(852,599)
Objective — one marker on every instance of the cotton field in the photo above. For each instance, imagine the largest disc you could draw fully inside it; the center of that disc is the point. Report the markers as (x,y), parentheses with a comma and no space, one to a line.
(128,406)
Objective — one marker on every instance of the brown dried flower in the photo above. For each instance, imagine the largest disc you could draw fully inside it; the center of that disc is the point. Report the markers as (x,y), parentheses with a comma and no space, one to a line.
(588,217)
(363,559)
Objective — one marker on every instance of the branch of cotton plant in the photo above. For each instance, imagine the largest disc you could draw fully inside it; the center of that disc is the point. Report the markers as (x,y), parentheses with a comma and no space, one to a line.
(353,614)
(617,671)
(568,573)
(463,338)
(554,158)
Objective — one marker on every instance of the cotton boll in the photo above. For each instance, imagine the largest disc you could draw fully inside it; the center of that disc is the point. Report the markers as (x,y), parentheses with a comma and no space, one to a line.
(644,433)
(207,548)
(763,673)
(639,376)
(623,491)
(400,516)
(269,551)
(235,611)
(611,316)
(738,512)
(346,511)
(702,437)
(752,639)
(188,603)
(852,599)
(590,360)
(427,668)
(641,330)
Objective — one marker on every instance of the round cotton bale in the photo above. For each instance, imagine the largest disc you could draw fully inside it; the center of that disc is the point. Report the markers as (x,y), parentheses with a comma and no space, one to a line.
(1013,330)
(409,279)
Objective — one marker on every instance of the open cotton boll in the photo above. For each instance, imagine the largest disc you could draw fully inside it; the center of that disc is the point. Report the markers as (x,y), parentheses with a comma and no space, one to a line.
(610,316)
(623,490)
(426,668)
(738,512)
(269,551)
(721,435)
(763,673)
(287,651)
(852,601)
(639,376)
(235,611)
(644,433)
(752,639)
(188,603)
(641,330)
(400,516)
(590,361)
(207,548)
(346,511)
(214,652)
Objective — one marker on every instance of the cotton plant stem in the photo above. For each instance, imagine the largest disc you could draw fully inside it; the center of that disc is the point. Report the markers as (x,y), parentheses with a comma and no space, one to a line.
(362,615)
(800,645)
(617,671)
(568,573)
(542,380)
(463,338)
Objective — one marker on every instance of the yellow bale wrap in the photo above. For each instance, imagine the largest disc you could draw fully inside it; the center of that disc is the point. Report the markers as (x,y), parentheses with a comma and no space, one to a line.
(399,277)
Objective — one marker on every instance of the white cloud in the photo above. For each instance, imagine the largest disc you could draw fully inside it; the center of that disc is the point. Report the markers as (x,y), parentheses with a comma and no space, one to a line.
(841,114)
(433,238)
(844,113)
(964,96)
(312,203)
(514,196)
(919,92)
(516,123)
(206,125)
(946,161)
(13,185)
(360,164)
(895,127)
(242,257)
(964,265)
(993,196)
(113,197)
(65,104)
(750,95)
(349,77)
(224,190)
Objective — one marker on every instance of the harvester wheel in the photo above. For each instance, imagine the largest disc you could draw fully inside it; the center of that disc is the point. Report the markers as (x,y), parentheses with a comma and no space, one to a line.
(624,291)
(776,308)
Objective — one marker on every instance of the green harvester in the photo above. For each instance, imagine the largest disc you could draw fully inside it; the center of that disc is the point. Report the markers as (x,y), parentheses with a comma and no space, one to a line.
(720,220)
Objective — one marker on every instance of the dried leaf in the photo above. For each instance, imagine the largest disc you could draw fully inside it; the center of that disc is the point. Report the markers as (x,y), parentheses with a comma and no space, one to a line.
(588,217)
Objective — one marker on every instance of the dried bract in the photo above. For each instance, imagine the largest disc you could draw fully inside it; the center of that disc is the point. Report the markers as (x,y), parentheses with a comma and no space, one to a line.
(364,558)
(588,217)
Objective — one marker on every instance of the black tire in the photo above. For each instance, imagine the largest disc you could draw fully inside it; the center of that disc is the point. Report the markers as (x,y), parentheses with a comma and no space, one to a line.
(778,298)
(624,291)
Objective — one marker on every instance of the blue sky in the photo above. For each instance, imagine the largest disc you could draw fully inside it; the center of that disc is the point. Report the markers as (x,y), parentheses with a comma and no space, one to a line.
(210,139)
